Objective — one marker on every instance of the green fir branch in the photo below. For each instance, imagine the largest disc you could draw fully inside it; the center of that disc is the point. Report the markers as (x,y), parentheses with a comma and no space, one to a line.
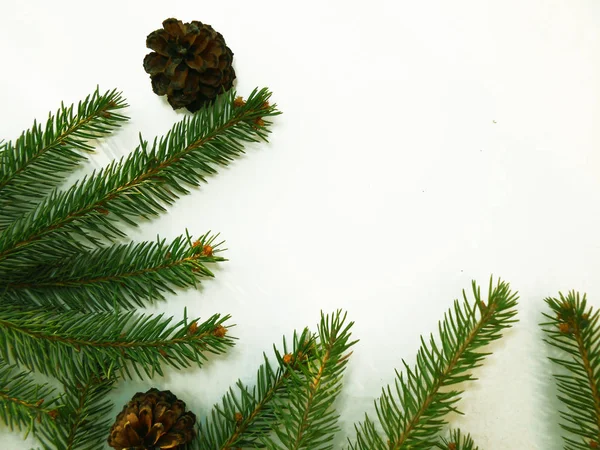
(41,157)
(572,327)
(306,419)
(24,403)
(123,275)
(457,441)
(412,412)
(70,344)
(82,423)
(246,415)
(137,186)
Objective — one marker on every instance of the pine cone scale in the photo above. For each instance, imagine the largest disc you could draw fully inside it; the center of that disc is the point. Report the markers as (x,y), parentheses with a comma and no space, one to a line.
(198,63)
(154,434)
(158,42)
(160,84)
(155,63)
(174,27)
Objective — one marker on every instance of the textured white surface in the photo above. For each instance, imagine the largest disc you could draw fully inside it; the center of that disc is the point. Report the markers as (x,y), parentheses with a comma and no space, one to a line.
(423,144)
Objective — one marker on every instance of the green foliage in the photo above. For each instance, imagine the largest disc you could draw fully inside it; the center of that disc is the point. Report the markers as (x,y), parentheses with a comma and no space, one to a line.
(82,422)
(412,412)
(291,405)
(572,327)
(41,157)
(24,403)
(121,274)
(69,286)
(306,419)
(66,223)
(72,343)
(457,441)
(246,415)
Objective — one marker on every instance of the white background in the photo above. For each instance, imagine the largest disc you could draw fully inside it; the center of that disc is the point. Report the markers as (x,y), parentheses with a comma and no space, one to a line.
(423,144)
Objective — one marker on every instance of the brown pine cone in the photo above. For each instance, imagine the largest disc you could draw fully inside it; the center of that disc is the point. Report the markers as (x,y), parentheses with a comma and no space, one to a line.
(152,420)
(190,64)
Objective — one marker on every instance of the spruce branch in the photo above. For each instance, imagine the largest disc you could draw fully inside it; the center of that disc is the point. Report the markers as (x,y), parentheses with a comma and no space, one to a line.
(246,415)
(572,327)
(71,344)
(457,441)
(81,423)
(122,275)
(412,412)
(306,419)
(23,403)
(41,157)
(137,186)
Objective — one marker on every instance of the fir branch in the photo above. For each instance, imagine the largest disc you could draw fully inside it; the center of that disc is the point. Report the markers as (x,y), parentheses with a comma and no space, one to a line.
(137,186)
(412,413)
(23,403)
(245,415)
(41,157)
(120,275)
(81,422)
(71,344)
(306,419)
(573,329)
(457,441)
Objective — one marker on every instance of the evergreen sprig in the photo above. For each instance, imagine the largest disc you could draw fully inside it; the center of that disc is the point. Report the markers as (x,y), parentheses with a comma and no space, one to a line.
(457,441)
(41,157)
(305,419)
(572,327)
(412,412)
(23,403)
(82,422)
(123,275)
(246,415)
(69,286)
(135,187)
(290,407)
(77,345)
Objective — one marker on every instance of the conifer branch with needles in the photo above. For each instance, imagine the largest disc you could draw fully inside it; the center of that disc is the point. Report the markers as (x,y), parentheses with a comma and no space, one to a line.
(293,402)
(246,415)
(457,441)
(72,343)
(24,403)
(572,328)
(81,423)
(412,412)
(123,275)
(69,290)
(41,157)
(138,186)
(306,418)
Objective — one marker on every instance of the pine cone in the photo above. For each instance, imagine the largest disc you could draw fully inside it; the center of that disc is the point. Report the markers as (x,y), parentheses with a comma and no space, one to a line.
(190,64)
(152,420)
